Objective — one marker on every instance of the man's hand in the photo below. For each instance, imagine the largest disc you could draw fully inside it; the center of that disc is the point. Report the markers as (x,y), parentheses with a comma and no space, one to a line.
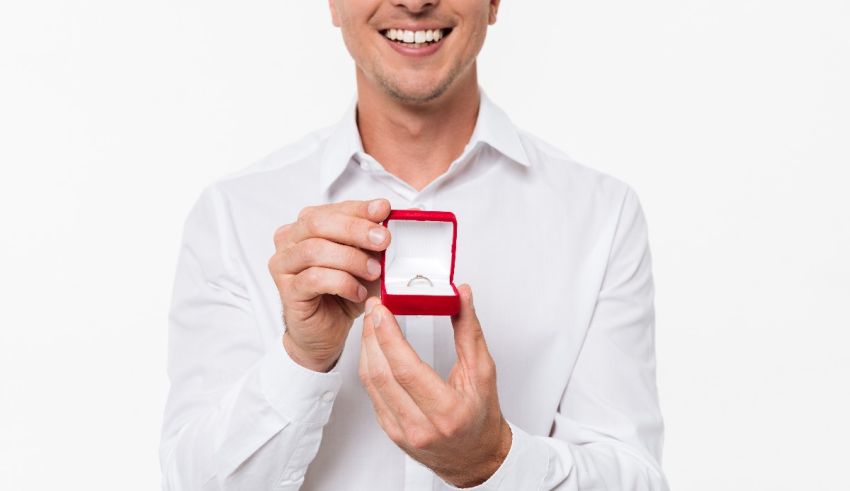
(454,427)
(314,267)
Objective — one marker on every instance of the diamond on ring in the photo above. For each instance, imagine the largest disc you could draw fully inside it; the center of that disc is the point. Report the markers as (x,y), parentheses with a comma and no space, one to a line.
(420,277)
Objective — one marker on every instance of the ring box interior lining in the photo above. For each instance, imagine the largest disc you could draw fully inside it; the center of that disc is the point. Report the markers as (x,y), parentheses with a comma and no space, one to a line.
(419,247)
(423,242)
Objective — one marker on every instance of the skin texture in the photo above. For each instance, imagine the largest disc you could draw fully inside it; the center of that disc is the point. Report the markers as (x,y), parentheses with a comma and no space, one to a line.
(415,116)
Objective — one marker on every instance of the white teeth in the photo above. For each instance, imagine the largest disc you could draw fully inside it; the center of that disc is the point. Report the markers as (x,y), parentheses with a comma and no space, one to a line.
(414,37)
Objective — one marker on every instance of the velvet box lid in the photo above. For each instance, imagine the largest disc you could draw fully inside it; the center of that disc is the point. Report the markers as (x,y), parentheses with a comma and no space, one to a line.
(422,243)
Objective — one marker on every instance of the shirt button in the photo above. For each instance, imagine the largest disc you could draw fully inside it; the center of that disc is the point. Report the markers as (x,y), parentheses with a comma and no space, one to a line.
(328,396)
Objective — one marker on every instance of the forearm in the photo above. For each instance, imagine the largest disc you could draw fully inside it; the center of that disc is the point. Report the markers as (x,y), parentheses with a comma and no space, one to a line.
(266,429)
(548,464)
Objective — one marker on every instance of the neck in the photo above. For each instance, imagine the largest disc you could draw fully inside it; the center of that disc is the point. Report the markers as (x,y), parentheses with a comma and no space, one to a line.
(417,143)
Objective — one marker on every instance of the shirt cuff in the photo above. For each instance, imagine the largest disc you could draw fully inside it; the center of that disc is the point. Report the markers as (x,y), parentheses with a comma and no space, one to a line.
(296,392)
(524,467)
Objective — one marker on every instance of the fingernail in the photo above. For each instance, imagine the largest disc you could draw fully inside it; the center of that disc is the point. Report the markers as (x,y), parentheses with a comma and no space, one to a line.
(374,207)
(377,235)
(373,266)
(370,304)
(362,293)
(376,319)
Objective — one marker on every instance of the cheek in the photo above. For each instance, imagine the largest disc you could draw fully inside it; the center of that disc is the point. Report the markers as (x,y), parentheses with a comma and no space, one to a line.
(474,42)
(478,23)
(354,41)
(353,26)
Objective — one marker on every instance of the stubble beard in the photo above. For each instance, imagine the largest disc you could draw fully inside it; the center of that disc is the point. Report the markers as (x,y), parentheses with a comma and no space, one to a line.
(392,88)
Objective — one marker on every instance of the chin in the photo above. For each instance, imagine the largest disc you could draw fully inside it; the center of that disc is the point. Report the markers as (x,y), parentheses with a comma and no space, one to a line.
(416,92)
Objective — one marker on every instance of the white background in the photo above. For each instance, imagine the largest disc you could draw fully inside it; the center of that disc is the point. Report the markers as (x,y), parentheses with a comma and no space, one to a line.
(731,119)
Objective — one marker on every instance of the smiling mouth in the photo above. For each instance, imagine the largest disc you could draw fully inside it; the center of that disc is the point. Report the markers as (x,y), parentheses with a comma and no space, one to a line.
(416,39)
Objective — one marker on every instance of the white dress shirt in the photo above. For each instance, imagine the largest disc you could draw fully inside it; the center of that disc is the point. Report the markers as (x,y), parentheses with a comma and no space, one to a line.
(558,258)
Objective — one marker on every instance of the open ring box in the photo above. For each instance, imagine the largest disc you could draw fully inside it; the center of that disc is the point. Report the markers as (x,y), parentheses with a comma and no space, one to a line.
(422,243)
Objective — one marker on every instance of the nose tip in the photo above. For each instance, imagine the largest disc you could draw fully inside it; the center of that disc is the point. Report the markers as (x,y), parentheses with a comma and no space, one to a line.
(416,5)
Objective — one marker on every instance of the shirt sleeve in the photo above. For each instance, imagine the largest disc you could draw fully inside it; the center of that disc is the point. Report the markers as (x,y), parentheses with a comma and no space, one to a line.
(240,414)
(608,430)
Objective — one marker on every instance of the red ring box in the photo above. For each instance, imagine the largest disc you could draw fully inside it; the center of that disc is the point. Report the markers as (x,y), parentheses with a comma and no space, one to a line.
(422,242)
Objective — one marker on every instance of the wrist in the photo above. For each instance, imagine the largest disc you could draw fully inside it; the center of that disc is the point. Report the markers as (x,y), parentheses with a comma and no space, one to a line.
(297,355)
(493,460)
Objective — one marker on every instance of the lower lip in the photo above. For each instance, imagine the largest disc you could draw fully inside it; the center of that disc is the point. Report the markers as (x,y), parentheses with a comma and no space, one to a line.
(415,52)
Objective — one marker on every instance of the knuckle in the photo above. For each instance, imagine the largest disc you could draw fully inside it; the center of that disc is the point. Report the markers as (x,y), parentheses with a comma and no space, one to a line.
(312,275)
(284,284)
(344,283)
(404,374)
(391,430)
(311,250)
(334,253)
(280,261)
(387,422)
(352,226)
(274,264)
(313,223)
(488,371)
(354,288)
(350,259)
(281,231)
(308,222)
(305,211)
(287,249)
(447,427)
(418,438)
(380,379)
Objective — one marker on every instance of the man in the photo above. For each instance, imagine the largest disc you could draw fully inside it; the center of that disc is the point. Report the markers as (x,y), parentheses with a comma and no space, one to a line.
(337,393)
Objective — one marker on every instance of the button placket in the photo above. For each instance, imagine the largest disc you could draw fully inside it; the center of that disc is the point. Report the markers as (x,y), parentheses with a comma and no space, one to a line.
(420,335)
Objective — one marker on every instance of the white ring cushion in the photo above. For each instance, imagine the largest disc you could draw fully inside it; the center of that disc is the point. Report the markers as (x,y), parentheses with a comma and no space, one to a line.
(418,247)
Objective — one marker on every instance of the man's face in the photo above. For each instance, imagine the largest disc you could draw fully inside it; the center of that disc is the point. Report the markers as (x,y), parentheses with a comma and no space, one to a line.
(435,42)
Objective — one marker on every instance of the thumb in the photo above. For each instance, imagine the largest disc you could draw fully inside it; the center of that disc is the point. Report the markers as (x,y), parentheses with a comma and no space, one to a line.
(469,338)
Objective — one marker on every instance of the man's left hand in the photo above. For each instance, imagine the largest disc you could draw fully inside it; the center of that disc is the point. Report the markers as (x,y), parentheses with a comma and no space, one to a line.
(455,427)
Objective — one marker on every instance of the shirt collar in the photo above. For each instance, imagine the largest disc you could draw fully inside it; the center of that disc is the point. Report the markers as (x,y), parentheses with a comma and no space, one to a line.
(492,127)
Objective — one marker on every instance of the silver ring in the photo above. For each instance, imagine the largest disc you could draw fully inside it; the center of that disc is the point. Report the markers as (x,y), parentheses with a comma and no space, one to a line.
(420,277)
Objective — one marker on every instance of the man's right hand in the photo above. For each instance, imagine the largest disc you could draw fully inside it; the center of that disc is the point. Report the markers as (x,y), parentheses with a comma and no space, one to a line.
(316,264)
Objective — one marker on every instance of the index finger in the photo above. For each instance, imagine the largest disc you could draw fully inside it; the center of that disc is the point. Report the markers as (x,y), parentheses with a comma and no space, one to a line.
(375,210)
(346,222)
(428,390)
